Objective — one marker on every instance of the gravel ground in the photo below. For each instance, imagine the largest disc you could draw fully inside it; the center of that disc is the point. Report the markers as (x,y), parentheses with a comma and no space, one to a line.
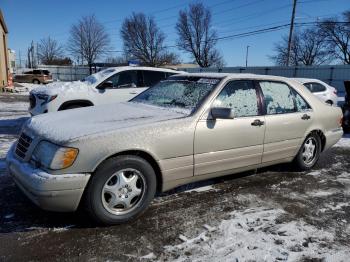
(265,215)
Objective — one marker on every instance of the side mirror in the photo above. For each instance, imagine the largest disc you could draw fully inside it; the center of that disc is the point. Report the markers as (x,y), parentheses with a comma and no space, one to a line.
(105,85)
(222,113)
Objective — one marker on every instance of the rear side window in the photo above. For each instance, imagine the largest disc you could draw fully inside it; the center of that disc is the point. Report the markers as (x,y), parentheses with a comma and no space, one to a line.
(28,72)
(301,104)
(241,97)
(151,78)
(37,72)
(315,87)
(279,98)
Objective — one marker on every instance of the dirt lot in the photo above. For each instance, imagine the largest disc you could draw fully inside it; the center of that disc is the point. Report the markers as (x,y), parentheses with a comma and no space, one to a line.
(265,215)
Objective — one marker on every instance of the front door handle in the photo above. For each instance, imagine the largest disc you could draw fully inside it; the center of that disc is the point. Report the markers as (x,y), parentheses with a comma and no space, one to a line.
(305,117)
(133,93)
(257,122)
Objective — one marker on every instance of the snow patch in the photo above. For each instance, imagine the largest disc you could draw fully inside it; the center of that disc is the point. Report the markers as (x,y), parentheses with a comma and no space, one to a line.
(254,234)
(343,142)
(201,189)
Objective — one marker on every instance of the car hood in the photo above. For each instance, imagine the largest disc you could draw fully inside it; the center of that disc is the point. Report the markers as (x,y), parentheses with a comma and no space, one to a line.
(64,88)
(64,126)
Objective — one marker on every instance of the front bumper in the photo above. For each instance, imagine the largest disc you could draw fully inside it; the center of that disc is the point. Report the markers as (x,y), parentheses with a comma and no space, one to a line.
(50,192)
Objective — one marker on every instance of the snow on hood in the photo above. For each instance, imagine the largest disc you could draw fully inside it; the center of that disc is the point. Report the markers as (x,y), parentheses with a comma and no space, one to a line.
(64,87)
(64,126)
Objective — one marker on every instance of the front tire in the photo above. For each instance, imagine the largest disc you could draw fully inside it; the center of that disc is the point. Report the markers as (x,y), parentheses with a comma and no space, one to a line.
(120,190)
(309,153)
(36,81)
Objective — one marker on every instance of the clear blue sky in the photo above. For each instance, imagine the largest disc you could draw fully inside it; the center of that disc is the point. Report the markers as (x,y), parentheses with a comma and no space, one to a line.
(35,19)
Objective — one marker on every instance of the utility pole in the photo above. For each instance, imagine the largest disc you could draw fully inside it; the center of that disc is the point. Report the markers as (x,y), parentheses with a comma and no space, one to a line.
(246,56)
(20,59)
(291,32)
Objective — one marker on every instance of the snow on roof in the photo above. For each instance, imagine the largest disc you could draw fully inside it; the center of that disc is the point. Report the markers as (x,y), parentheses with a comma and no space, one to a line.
(122,68)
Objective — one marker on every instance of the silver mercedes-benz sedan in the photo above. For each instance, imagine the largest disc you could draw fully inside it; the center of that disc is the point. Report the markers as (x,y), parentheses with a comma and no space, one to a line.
(190,127)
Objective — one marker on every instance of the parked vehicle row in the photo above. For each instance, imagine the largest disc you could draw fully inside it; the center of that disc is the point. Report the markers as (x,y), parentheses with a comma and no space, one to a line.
(111,85)
(114,158)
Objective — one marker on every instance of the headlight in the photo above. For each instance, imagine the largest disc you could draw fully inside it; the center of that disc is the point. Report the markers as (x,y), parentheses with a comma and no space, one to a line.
(53,156)
(46,98)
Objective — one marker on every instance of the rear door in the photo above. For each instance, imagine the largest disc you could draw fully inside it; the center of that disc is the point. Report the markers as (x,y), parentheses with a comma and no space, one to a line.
(223,145)
(287,117)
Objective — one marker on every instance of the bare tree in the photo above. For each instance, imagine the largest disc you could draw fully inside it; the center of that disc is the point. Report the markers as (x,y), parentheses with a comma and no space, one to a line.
(144,41)
(308,47)
(196,37)
(88,40)
(49,50)
(337,35)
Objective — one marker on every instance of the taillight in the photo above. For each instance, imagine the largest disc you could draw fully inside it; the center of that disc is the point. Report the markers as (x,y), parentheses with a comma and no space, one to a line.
(340,121)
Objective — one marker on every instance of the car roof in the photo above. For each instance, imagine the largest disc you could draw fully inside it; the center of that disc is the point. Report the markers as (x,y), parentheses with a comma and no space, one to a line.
(237,76)
(308,80)
(122,68)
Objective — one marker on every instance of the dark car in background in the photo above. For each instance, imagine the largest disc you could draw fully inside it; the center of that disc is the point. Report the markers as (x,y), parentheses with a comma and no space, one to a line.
(36,76)
(346,108)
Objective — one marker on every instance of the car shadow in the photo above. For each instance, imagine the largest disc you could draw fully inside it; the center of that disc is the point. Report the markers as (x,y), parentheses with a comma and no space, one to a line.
(19,214)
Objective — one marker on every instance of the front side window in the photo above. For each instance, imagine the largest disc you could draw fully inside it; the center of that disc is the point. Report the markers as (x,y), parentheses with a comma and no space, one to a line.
(279,98)
(185,93)
(125,79)
(241,97)
(152,77)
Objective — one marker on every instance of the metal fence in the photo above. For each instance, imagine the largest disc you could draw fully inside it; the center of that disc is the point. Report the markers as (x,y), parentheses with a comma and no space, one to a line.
(333,75)
(67,73)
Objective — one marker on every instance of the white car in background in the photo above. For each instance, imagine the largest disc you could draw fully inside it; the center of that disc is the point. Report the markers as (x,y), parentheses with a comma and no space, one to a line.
(116,84)
(320,89)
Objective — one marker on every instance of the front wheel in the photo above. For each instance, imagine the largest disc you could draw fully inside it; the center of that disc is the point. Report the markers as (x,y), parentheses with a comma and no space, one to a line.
(309,153)
(120,190)
(36,81)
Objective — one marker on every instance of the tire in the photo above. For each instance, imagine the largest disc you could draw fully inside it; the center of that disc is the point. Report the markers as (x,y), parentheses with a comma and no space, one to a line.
(107,195)
(36,81)
(330,102)
(305,159)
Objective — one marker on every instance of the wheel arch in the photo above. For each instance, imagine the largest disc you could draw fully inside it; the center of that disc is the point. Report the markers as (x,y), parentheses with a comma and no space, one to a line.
(81,102)
(321,135)
(146,156)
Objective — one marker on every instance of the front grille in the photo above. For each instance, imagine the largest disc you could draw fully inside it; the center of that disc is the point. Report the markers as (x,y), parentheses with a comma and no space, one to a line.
(23,144)
(32,101)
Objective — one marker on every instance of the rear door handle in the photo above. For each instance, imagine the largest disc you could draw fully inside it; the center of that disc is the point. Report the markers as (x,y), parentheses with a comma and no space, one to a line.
(133,93)
(305,117)
(257,122)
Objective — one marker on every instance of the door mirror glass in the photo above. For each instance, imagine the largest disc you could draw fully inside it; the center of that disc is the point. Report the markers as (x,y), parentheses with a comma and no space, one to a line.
(222,113)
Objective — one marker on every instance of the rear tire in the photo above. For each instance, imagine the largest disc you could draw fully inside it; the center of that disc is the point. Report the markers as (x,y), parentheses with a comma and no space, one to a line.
(120,190)
(36,81)
(330,102)
(309,153)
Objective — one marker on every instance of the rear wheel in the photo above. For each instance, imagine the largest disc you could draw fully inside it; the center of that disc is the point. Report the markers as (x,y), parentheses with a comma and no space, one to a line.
(36,81)
(120,190)
(330,102)
(309,153)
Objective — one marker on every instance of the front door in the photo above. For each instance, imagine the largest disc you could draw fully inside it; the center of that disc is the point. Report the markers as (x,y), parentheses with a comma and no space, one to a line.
(123,86)
(287,117)
(223,145)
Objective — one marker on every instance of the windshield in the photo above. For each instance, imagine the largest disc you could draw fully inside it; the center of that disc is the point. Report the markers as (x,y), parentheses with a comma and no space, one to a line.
(94,78)
(178,92)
